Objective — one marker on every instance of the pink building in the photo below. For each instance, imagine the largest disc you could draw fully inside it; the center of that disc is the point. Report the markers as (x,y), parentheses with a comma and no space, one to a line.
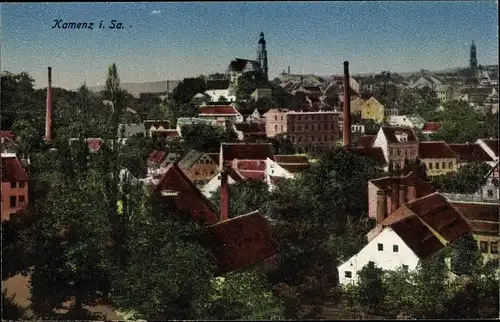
(306,130)
(14,186)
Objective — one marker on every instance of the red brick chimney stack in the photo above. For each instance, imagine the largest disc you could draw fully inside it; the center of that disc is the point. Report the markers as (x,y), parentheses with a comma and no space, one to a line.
(412,192)
(394,194)
(381,206)
(347,107)
(48,109)
(224,196)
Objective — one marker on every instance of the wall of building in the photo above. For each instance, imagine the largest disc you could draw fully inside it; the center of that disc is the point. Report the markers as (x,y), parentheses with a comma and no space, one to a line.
(214,185)
(400,152)
(450,165)
(7,192)
(387,259)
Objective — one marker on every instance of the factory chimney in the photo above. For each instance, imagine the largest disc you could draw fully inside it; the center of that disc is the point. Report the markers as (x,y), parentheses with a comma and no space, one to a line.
(347,107)
(48,109)
(288,70)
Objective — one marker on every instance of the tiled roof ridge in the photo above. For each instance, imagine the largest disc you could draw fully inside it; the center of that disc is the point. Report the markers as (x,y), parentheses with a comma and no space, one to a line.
(232,219)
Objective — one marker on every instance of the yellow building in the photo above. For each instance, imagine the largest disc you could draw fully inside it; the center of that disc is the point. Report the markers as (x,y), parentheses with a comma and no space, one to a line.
(437,157)
(373,110)
(483,217)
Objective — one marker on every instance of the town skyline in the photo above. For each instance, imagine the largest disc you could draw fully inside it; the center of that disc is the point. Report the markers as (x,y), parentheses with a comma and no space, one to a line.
(205,37)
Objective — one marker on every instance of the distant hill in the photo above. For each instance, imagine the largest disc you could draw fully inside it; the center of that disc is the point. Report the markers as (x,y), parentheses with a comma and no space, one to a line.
(137,88)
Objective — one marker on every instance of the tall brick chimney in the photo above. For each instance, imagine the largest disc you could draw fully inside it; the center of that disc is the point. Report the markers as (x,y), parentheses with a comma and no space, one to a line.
(402,194)
(412,192)
(347,107)
(48,109)
(288,70)
(381,205)
(224,195)
(394,194)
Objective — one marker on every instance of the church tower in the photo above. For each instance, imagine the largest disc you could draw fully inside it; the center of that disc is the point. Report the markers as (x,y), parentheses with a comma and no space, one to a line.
(262,54)
(473,58)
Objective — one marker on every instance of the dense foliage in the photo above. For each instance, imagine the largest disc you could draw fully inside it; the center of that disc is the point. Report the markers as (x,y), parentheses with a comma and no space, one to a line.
(468,179)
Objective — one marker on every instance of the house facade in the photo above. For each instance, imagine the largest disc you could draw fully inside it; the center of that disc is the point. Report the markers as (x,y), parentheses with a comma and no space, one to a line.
(373,110)
(199,167)
(14,186)
(306,130)
(398,144)
(437,157)
(227,113)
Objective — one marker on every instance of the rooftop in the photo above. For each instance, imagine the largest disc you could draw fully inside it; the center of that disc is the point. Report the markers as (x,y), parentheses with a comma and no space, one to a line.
(470,152)
(435,150)
(12,170)
(247,151)
(393,132)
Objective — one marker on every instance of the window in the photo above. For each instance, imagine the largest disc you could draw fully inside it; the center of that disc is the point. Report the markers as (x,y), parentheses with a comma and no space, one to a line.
(395,248)
(430,165)
(443,165)
(276,117)
(405,268)
(325,126)
(450,165)
(494,247)
(298,117)
(483,246)
(380,247)
(299,138)
(21,201)
(282,117)
(13,184)
(282,128)
(197,173)
(437,165)
(407,153)
(276,127)
(348,274)
(490,193)
(399,152)
(21,184)
(13,201)
(331,127)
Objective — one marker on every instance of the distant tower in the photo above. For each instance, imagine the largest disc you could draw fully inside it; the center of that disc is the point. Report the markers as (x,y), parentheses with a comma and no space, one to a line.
(262,54)
(473,57)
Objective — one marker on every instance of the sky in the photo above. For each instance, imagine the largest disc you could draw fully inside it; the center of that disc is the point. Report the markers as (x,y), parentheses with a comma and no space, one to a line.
(170,41)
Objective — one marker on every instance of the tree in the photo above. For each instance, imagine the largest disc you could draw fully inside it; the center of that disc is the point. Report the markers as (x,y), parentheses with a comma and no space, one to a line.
(222,99)
(466,256)
(282,145)
(189,87)
(203,137)
(246,196)
(28,137)
(16,98)
(249,82)
(468,179)
(370,291)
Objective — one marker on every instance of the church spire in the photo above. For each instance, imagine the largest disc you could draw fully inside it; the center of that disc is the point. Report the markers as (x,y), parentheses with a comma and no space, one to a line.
(473,57)
(262,54)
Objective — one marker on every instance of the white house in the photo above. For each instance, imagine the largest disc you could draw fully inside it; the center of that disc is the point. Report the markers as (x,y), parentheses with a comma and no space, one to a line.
(388,251)
(215,94)
(255,116)
(400,120)
(216,112)
(214,183)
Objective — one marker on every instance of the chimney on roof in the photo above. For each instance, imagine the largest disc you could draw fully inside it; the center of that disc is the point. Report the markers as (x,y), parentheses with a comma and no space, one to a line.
(48,108)
(394,194)
(402,194)
(381,205)
(347,107)
(412,192)
(224,195)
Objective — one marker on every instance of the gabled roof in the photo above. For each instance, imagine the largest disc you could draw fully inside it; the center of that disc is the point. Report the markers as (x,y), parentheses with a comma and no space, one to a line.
(241,242)
(431,127)
(189,199)
(470,152)
(374,153)
(253,175)
(94,144)
(424,222)
(190,158)
(7,134)
(492,144)
(247,151)
(390,133)
(12,170)
(253,165)
(154,124)
(435,150)
(157,156)
(218,110)
(366,141)
(294,168)
(477,212)
(422,187)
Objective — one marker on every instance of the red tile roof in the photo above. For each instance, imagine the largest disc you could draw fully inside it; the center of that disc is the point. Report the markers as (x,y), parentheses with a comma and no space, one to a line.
(390,133)
(412,221)
(366,141)
(94,144)
(251,128)
(431,127)
(218,110)
(12,170)
(291,159)
(492,144)
(483,217)
(470,152)
(253,165)
(7,134)
(189,200)
(422,187)
(294,168)
(241,242)
(277,180)
(157,156)
(253,175)
(435,150)
(373,153)
(247,151)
